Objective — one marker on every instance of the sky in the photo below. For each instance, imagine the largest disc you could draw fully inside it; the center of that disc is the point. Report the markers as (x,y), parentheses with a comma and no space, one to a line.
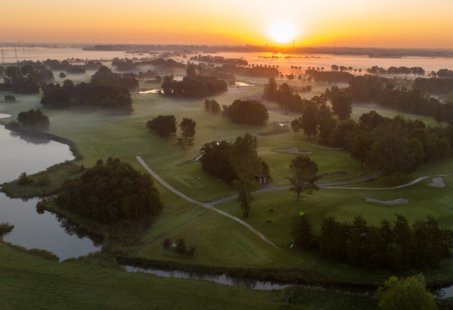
(356,23)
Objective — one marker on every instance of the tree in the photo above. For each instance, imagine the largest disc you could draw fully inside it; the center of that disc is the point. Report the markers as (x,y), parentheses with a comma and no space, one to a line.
(391,151)
(327,123)
(304,175)
(246,164)
(250,112)
(212,106)
(163,125)
(309,120)
(341,104)
(303,232)
(405,293)
(187,126)
(270,90)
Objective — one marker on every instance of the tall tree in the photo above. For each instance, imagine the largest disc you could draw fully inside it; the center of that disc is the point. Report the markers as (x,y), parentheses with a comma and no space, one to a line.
(304,175)
(309,120)
(187,126)
(246,164)
(327,123)
(341,104)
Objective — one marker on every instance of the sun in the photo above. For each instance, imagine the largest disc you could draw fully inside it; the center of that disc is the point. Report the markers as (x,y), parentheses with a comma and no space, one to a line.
(282,32)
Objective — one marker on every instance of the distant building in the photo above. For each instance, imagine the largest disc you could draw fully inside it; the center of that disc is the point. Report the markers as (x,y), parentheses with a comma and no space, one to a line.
(262,179)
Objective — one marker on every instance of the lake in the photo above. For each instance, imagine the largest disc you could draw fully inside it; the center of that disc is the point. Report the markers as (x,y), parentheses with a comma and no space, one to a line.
(31,229)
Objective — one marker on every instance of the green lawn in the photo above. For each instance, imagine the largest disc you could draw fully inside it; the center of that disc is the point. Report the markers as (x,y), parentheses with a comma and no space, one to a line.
(31,282)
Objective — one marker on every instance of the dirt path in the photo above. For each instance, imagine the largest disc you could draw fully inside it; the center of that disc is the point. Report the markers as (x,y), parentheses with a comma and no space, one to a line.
(208,206)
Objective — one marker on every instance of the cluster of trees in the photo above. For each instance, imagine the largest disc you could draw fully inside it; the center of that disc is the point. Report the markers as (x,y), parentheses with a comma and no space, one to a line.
(111,192)
(165,64)
(443,73)
(329,76)
(212,106)
(105,76)
(284,95)
(34,119)
(396,70)
(68,67)
(235,163)
(124,64)
(318,117)
(384,92)
(220,60)
(396,246)
(106,90)
(165,126)
(179,246)
(390,145)
(25,79)
(250,112)
(434,85)
(194,85)
(262,71)
(338,68)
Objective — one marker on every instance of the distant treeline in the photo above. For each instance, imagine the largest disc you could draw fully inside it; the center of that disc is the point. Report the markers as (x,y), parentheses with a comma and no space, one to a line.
(396,246)
(106,90)
(131,64)
(194,85)
(434,85)
(68,67)
(220,60)
(263,71)
(384,92)
(26,78)
(396,70)
(329,76)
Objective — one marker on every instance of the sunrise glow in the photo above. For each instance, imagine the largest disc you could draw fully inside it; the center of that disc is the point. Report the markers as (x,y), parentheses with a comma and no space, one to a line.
(282,32)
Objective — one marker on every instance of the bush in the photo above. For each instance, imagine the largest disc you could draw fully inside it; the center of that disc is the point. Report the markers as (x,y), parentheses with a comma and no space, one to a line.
(5,228)
(24,179)
(10,98)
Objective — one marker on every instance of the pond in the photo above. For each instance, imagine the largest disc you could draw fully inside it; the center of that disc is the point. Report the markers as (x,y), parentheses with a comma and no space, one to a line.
(31,229)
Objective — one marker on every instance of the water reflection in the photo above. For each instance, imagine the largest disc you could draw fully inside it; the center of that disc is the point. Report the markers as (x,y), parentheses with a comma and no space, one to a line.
(33,229)
(219,279)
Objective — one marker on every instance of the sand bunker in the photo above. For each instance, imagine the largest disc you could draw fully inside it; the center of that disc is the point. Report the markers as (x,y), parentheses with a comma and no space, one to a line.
(437,182)
(291,150)
(191,161)
(395,202)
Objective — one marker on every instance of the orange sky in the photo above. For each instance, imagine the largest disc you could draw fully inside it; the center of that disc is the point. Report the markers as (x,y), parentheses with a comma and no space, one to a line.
(386,23)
